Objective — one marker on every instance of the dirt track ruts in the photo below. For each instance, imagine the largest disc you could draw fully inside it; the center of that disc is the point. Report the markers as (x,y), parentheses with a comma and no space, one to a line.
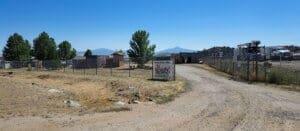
(212,103)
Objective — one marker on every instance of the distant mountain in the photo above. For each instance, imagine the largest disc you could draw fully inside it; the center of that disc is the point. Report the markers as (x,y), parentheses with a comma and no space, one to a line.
(170,51)
(100,51)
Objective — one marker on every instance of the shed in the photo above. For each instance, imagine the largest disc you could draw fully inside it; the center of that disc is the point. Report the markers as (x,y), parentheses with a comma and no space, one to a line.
(118,58)
(79,62)
(96,61)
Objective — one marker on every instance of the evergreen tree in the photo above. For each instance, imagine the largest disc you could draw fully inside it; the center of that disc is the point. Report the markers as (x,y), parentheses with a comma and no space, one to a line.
(141,51)
(64,50)
(24,51)
(44,47)
(17,49)
(88,52)
(73,53)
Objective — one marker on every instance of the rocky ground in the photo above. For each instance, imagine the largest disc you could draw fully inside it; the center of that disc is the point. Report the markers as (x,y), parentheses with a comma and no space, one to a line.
(47,94)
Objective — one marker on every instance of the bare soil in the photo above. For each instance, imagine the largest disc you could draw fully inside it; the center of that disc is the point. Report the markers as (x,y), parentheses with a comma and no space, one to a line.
(212,103)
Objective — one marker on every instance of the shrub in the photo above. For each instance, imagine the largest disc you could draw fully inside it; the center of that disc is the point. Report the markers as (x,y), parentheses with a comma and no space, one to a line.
(273,78)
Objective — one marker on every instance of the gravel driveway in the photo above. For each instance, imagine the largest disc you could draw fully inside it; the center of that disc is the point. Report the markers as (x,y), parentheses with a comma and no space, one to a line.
(211,103)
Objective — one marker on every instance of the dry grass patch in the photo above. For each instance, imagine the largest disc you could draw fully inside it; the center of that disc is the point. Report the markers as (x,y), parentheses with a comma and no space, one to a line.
(27,92)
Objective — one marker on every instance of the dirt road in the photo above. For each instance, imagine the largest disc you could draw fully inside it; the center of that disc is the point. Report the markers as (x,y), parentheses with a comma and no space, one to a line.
(212,103)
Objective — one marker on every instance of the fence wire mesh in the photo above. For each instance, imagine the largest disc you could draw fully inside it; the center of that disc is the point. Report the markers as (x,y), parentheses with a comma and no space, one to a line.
(125,67)
(278,72)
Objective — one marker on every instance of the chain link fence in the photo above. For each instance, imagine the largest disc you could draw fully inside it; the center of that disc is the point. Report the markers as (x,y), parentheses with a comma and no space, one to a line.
(123,67)
(277,72)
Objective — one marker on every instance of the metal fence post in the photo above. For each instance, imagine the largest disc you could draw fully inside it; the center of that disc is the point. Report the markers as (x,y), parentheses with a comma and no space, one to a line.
(3,68)
(129,67)
(111,64)
(174,71)
(297,73)
(85,67)
(265,64)
(37,65)
(233,73)
(280,58)
(97,68)
(65,66)
(248,68)
(256,67)
(152,69)
(73,67)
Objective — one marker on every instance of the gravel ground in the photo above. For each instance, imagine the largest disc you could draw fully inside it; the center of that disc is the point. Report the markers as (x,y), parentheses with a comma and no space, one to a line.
(212,103)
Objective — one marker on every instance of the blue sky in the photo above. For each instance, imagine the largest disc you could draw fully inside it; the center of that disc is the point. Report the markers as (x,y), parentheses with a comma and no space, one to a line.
(193,24)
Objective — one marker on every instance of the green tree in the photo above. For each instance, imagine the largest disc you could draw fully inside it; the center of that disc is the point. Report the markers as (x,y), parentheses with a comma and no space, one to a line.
(64,50)
(25,51)
(44,47)
(141,51)
(73,53)
(17,49)
(88,52)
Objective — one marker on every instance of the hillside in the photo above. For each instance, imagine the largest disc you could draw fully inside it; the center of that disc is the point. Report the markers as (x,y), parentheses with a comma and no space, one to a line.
(170,51)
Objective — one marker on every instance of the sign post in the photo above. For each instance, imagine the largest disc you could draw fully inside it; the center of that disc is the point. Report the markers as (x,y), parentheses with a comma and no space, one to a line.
(163,70)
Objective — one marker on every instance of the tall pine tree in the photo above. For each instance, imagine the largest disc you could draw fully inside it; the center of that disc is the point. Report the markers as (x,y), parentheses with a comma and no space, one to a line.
(65,51)
(17,49)
(44,47)
(88,52)
(73,53)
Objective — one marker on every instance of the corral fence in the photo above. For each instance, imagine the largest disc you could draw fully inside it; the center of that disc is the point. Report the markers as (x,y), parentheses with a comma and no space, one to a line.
(277,72)
(123,67)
